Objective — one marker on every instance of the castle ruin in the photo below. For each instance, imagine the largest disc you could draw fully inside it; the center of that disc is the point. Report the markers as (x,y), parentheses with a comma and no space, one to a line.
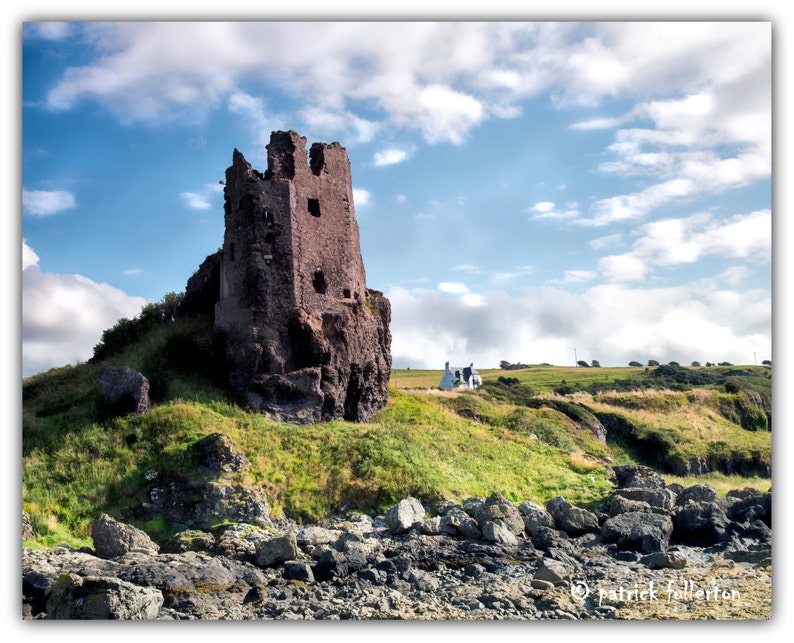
(305,339)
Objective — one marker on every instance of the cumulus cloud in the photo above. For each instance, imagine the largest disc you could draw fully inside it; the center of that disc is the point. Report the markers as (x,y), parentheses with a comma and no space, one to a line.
(453,287)
(671,242)
(361,196)
(604,322)
(392,156)
(547,210)
(63,316)
(195,201)
(43,203)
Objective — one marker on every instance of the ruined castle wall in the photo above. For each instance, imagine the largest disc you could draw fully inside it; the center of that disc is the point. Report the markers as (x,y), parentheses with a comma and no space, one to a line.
(306,340)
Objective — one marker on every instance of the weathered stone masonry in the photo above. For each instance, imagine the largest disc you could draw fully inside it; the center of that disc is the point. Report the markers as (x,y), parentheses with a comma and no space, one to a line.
(306,341)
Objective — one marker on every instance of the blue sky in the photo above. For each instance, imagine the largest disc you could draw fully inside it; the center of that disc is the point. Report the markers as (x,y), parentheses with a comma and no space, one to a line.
(524,191)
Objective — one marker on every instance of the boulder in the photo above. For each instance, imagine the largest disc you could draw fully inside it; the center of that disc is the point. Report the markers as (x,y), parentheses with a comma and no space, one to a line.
(123,391)
(95,598)
(573,520)
(190,540)
(498,532)
(634,475)
(299,571)
(662,498)
(700,524)
(404,515)
(697,493)
(750,507)
(189,504)
(664,560)
(638,531)
(218,452)
(534,517)
(553,571)
(276,550)
(332,564)
(113,538)
(457,522)
(621,505)
(498,508)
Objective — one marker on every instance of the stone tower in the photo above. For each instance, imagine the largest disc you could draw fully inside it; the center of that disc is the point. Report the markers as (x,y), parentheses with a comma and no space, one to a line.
(306,341)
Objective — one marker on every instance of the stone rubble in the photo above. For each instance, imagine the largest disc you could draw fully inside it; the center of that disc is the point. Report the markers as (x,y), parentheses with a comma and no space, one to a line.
(487,558)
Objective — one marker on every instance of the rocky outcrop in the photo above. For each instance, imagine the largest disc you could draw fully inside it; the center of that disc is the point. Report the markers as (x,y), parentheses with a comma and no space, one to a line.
(123,391)
(94,598)
(112,538)
(355,566)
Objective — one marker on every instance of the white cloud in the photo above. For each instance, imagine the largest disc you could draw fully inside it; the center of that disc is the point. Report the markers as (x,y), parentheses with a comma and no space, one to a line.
(132,272)
(43,203)
(546,210)
(63,316)
(195,201)
(392,156)
(361,197)
(622,268)
(613,323)
(453,287)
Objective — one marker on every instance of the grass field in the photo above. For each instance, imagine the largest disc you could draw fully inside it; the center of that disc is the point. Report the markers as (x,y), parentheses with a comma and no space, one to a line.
(542,379)
(518,437)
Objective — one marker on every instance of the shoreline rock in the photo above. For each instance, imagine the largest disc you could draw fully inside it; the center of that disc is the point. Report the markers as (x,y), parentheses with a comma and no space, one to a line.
(508,563)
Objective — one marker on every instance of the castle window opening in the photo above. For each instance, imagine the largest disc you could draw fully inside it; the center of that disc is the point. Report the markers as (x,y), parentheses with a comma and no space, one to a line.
(319,282)
(267,215)
(270,237)
(314,207)
(346,293)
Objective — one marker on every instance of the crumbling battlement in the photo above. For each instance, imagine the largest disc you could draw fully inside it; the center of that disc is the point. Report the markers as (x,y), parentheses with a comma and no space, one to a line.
(306,341)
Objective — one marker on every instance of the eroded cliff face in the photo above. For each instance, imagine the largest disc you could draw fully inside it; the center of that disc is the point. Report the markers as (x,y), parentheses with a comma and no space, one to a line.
(305,340)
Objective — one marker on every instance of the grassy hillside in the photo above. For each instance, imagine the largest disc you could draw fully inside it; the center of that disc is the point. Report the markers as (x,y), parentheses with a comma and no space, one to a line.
(514,436)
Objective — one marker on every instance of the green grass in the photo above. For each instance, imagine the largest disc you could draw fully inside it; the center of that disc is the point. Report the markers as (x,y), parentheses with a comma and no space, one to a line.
(520,440)
(541,378)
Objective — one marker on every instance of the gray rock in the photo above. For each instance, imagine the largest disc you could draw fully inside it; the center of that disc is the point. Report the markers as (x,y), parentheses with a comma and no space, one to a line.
(314,535)
(218,452)
(573,520)
(92,598)
(700,523)
(457,522)
(113,538)
(276,550)
(431,526)
(472,505)
(498,508)
(621,505)
(404,515)
(332,564)
(637,476)
(423,581)
(496,531)
(697,493)
(664,560)
(545,537)
(750,507)
(299,571)
(123,391)
(638,531)
(662,498)
(27,530)
(553,571)
(534,516)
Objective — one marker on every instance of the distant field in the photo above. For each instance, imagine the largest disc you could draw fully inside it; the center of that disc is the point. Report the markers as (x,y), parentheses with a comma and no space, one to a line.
(542,378)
